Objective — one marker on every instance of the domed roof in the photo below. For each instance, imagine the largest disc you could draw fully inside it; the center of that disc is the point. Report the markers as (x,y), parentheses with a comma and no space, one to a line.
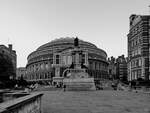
(62,44)
(62,41)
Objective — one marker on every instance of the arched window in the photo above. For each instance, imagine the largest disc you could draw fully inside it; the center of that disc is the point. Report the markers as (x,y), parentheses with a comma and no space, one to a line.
(57,59)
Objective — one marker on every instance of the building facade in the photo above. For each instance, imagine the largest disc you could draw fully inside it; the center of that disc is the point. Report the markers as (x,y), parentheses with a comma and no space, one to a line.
(138,47)
(112,68)
(117,68)
(21,73)
(8,59)
(51,59)
(121,68)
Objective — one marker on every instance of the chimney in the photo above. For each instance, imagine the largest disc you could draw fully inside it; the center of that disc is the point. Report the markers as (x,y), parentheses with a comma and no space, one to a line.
(10,46)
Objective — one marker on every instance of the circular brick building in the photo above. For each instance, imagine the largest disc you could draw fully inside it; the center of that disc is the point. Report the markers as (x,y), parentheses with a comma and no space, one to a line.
(51,59)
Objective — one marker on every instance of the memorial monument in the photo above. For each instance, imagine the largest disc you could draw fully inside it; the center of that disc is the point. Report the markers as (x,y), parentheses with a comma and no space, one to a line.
(76,76)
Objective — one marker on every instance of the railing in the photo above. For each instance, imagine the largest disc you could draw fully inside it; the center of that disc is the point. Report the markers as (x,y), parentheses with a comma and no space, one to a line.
(26,104)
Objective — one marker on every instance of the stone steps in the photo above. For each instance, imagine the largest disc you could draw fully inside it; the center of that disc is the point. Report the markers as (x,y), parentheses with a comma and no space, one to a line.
(76,86)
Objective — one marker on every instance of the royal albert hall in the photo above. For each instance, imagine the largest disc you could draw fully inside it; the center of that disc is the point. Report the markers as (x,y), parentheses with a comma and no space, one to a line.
(51,59)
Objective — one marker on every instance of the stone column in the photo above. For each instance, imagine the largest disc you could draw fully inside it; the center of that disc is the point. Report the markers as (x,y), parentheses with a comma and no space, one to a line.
(86,59)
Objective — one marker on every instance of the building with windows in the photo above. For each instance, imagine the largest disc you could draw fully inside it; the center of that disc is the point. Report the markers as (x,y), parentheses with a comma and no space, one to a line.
(112,72)
(51,59)
(8,61)
(117,68)
(121,68)
(138,47)
(21,73)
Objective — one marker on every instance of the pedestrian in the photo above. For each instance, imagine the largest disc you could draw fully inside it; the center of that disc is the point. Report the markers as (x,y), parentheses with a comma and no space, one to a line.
(64,87)
(16,86)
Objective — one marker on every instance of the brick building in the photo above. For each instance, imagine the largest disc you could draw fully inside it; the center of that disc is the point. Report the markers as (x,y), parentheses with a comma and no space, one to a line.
(8,59)
(112,68)
(121,68)
(138,47)
(117,68)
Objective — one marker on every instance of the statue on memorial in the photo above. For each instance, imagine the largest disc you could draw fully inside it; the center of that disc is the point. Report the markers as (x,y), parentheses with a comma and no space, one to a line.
(76,42)
(83,66)
(76,76)
(72,66)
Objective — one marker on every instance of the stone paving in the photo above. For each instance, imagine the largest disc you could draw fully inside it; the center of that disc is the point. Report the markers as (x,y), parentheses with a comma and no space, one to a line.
(103,101)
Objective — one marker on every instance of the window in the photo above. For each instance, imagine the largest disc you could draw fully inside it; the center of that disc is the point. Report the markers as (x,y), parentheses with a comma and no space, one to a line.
(95,65)
(133,53)
(135,75)
(136,42)
(42,67)
(57,59)
(139,74)
(133,63)
(132,74)
(90,65)
(132,44)
(137,63)
(46,65)
(110,71)
(140,62)
(83,58)
(139,51)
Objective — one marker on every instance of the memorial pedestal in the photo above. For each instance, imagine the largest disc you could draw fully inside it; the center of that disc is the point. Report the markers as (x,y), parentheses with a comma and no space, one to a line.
(79,82)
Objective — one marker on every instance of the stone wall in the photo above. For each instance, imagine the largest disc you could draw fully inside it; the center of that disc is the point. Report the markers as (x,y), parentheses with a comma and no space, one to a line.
(26,104)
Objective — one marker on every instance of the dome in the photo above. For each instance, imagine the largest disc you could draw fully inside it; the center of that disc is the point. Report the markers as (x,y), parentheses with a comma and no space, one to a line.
(65,41)
(61,44)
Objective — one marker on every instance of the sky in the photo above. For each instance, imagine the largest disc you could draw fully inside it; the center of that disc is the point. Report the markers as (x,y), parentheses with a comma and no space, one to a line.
(28,24)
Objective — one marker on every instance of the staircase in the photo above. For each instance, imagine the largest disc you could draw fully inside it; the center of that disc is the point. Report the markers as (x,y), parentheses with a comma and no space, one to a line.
(82,84)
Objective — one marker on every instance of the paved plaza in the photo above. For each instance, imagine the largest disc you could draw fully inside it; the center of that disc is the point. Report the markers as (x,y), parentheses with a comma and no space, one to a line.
(104,101)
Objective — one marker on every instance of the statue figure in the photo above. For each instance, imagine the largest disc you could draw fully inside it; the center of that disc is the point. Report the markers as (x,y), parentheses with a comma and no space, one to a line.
(76,42)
